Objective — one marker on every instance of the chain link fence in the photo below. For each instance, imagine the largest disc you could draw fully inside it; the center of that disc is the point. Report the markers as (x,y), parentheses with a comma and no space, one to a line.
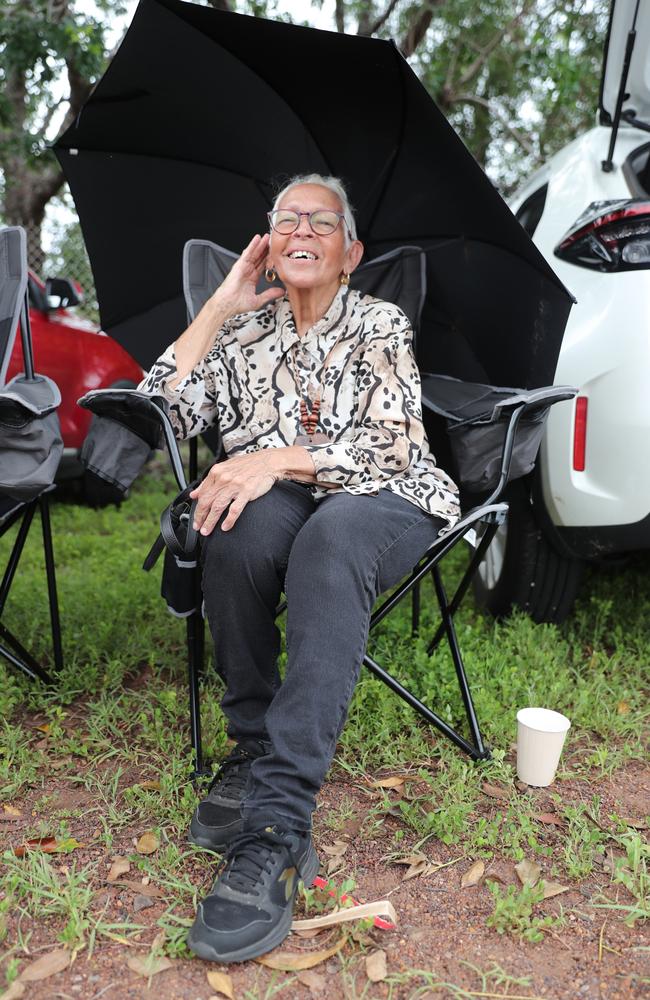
(61,253)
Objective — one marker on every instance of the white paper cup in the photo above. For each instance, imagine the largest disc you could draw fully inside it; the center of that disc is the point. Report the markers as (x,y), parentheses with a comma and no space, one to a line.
(540,737)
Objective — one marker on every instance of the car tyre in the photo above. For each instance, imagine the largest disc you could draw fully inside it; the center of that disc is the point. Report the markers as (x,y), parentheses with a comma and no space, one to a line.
(523,569)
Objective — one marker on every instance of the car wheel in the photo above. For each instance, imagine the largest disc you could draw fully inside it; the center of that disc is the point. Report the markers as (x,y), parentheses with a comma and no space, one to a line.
(98,492)
(521,568)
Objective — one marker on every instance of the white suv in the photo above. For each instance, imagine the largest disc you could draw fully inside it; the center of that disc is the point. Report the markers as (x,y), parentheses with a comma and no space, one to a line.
(588,211)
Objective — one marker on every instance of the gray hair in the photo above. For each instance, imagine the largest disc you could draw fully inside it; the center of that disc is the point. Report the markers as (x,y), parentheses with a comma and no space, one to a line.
(334,185)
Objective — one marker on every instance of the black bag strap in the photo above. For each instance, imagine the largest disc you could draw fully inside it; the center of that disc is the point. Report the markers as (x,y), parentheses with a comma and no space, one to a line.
(177,532)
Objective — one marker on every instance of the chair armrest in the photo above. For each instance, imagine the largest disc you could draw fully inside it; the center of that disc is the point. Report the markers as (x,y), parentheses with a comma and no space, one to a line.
(144,415)
(535,399)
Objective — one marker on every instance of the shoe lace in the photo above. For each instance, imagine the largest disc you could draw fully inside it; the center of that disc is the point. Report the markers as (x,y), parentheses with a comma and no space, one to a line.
(233,771)
(252,854)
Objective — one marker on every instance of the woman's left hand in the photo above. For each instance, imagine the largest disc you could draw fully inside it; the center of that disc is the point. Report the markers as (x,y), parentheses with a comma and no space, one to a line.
(234,482)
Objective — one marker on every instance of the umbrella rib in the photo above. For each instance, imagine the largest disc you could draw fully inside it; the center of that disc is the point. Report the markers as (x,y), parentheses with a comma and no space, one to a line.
(161,156)
(281,97)
(391,170)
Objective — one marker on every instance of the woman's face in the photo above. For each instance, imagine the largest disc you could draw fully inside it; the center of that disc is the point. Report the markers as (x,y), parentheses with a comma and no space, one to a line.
(326,256)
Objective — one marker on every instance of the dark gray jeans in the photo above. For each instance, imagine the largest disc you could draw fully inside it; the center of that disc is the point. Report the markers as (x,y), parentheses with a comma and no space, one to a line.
(332,559)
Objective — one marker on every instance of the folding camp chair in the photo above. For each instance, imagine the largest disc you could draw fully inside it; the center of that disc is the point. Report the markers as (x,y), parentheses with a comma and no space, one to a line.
(30,448)
(505,412)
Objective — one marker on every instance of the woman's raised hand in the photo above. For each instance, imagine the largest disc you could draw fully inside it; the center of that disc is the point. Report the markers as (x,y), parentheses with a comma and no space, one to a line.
(237,292)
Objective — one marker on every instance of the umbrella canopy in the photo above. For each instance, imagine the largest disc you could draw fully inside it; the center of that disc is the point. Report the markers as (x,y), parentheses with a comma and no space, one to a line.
(202,114)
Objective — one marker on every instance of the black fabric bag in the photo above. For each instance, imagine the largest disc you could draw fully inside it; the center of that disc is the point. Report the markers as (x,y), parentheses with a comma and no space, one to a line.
(182,549)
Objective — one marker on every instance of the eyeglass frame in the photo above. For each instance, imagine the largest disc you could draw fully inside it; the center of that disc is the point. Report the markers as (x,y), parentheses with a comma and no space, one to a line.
(340,215)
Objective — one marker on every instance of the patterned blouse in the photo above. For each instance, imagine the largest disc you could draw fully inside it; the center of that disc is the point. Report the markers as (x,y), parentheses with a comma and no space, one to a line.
(359,355)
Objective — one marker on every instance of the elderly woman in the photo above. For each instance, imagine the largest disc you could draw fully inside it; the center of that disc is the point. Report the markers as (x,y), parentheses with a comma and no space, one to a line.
(328,493)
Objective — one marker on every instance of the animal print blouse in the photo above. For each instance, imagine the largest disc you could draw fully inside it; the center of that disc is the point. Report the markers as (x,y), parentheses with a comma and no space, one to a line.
(359,354)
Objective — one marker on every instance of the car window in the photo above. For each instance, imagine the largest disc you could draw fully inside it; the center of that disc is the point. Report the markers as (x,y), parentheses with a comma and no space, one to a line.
(530,212)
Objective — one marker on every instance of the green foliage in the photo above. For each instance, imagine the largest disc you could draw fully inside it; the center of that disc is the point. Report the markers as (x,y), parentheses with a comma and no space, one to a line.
(513,912)
(118,730)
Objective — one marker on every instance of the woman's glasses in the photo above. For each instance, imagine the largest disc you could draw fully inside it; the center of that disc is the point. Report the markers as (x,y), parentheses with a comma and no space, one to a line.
(322,221)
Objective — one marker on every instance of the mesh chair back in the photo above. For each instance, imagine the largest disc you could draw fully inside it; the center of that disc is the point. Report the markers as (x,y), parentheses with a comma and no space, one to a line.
(398,276)
(13,286)
(205,265)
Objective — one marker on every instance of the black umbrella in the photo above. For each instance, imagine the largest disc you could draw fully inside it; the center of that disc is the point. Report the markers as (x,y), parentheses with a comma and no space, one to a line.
(201,114)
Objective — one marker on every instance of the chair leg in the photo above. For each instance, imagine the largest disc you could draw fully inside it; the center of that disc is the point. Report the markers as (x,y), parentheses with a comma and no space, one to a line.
(475,752)
(11,648)
(20,658)
(415,609)
(195,664)
(55,620)
(16,552)
(448,623)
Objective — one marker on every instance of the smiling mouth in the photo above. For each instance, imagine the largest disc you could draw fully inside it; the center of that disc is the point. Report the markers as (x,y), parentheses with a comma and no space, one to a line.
(302,255)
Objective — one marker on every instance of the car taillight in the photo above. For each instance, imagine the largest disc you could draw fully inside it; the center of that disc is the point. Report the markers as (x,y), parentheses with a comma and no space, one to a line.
(580,434)
(610,236)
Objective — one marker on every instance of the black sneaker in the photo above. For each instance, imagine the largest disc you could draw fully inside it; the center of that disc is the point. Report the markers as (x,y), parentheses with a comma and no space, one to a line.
(250,907)
(217,819)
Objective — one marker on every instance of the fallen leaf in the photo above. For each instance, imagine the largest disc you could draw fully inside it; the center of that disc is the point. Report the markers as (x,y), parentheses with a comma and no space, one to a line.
(221,983)
(144,890)
(623,708)
(46,966)
(148,843)
(553,889)
(287,961)
(421,870)
(119,867)
(409,859)
(550,819)
(314,932)
(47,845)
(314,981)
(528,872)
(636,824)
(473,875)
(17,989)
(394,781)
(495,791)
(376,969)
(11,811)
(149,965)
(338,848)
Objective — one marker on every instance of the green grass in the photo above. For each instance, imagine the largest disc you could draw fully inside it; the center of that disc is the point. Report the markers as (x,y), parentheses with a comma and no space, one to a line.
(117,718)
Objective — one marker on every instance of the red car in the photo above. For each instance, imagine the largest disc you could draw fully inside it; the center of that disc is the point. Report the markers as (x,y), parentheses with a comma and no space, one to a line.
(76,355)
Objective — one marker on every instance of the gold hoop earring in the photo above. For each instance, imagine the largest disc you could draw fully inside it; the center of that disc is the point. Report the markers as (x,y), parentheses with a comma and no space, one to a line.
(270,275)
(345,278)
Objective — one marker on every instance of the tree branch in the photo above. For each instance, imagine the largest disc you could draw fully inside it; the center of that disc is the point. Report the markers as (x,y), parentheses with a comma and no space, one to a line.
(381,20)
(495,110)
(418,27)
(485,53)
(339,15)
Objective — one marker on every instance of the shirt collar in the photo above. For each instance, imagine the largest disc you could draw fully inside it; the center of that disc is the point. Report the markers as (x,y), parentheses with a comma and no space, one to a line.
(319,338)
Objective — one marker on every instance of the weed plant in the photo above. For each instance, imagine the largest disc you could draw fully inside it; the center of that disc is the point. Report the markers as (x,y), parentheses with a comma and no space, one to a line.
(116,726)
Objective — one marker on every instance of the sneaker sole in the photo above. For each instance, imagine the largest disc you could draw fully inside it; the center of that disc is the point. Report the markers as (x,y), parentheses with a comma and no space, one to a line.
(199,936)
